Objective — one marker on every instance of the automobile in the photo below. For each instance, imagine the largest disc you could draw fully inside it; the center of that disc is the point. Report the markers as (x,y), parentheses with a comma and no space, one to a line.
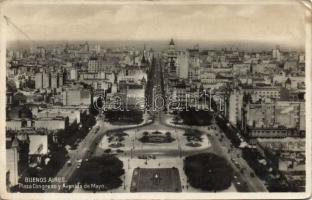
(78,166)
(142,157)
(238,183)
(69,163)
(72,148)
(119,151)
(86,160)
(235,177)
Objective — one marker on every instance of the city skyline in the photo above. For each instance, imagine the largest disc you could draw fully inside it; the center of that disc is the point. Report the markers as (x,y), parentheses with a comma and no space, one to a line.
(160,44)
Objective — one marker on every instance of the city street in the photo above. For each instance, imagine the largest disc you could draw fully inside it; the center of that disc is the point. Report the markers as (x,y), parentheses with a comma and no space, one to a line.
(87,147)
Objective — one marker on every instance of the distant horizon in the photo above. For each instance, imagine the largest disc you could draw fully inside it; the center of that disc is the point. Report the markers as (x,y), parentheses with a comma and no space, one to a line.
(160,44)
(245,25)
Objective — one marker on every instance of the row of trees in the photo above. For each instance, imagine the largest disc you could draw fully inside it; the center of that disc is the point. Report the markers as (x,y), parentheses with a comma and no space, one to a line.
(77,131)
(229,131)
(197,118)
(11,86)
(131,117)
(276,182)
(262,166)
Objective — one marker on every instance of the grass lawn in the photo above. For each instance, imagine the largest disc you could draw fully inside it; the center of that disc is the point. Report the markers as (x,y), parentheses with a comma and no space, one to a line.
(142,180)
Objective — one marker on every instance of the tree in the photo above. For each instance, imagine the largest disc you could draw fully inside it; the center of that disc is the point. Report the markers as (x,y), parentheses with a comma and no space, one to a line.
(193,117)
(168,134)
(105,170)
(96,110)
(208,171)
(132,116)
(252,156)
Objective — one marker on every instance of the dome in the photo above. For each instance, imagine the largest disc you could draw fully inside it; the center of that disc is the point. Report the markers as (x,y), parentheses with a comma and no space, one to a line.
(288,81)
(171,42)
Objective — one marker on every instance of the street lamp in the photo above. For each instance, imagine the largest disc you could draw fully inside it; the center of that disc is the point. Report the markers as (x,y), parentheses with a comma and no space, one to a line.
(124,182)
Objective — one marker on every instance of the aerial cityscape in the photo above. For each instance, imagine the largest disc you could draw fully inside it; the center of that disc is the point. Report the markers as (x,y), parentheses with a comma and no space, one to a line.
(167,115)
(70,107)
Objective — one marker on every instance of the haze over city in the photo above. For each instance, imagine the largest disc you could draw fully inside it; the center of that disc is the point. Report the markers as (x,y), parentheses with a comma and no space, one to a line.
(160,22)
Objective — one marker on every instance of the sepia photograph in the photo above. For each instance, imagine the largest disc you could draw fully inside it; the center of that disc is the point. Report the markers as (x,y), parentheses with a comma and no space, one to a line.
(155,99)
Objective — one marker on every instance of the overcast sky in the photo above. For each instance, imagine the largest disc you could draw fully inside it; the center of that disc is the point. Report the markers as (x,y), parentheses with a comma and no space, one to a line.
(282,24)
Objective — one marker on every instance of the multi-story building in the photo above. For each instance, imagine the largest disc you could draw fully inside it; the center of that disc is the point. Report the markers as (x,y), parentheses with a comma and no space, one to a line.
(263,92)
(54,80)
(45,80)
(42,80)
(276,119)
(58,123)
(182,65)
(38,81)
(73,115)
(76,97)
(12,159)
(235,107)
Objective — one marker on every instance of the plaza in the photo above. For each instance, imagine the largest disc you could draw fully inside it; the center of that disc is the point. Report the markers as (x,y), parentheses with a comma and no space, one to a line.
(144,155)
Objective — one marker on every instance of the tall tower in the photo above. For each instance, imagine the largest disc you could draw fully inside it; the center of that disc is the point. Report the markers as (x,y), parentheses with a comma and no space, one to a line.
(171,45)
